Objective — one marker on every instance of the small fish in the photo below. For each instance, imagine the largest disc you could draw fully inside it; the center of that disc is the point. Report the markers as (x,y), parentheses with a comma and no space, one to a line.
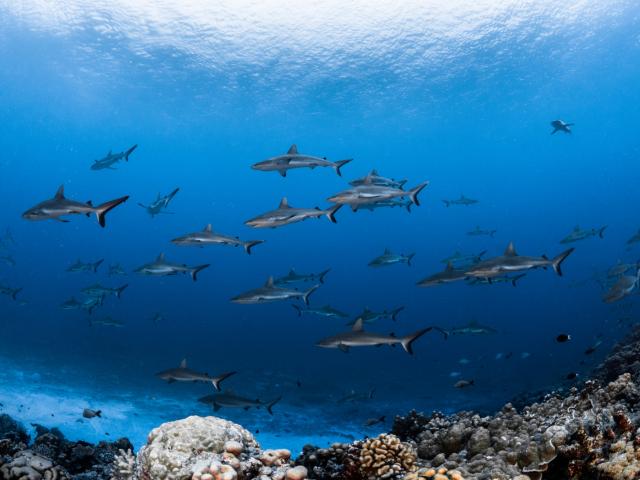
(572,376)
(563,337)
(374,421)
(88,413)
(464,383)
(460,201)
(455,374)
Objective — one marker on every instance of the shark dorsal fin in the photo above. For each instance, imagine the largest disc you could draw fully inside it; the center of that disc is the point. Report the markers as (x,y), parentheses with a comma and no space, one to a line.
(160,258)
(576,228)
(183,363)
(284,203)
(60,192)
(368,180)
(510,251)
(109,153)
(387,251)
(374,173)
(208,228)
(357,326)
(269,283)
(293,150)
(449,267)
(292,271)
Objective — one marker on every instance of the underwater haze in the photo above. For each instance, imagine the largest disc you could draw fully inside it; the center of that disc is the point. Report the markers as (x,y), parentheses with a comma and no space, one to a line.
(458,94)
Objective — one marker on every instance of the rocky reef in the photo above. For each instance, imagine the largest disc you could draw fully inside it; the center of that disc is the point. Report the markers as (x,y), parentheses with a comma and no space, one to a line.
(51,457)
(590,432)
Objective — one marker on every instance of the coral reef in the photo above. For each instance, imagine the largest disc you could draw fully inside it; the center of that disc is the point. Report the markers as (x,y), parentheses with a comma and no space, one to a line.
(624,358)
(386,457)
(590,433)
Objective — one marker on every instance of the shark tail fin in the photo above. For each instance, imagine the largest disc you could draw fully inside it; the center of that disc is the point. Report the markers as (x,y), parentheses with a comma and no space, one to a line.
(514,280)
(395,312)
(121,289)
(409,258)
(129,152)
(308,293)
(339,164)
(331,213)
(555,129)
(407,342)
(15,292)
(413,193)
(601,231)
(323,274)
(556,262)
(198,269)
(297,309)
(271,404)
(446,203)
(102,210)
(250,244)
(96,265)
(218,380)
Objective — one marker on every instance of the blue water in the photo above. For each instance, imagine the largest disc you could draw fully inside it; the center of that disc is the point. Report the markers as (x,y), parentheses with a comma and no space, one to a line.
(457,95)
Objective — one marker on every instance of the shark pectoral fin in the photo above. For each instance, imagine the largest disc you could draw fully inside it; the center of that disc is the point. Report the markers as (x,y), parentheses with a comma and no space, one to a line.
(216,407)
(171,380)
(62,220)
(283,172)
(343,348)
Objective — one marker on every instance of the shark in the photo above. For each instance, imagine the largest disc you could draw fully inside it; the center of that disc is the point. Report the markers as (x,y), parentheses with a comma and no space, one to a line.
(510,261)
(406,204)
(160,204)
(513,280)
(624,286)
(368,194)
(270,292)
(107,322)
(358,337)
(459,258)
(294,277)
(116,269)
(374,178)
(161,267)
(90,303)
(472,328)
(208,237)
(369,316)
(355,396)
(184,374)
(561,126)
(12,292)
(285,214)
(448,275)
(111,158)
(635,238)
(389,258)
(579,234)
(229,399)
(59,206)
(324,311)
(80,266)
(620,269)
(71,304)
(293,159)
(98,290)
(465,201)
(9,260)
(478,232)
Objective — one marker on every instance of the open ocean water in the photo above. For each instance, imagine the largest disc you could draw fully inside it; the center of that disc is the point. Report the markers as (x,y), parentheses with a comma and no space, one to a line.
(459,94)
